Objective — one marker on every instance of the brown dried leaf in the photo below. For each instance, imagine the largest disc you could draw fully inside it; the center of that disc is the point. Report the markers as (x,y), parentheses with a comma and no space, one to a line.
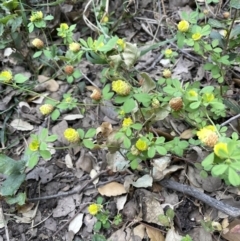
(154,234)
(187,134)
(50,84)
(234,231)
(112,189)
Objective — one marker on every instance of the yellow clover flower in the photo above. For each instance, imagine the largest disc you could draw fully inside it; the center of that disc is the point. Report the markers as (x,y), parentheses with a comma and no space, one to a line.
(64,26)
(208,136)
(121,87)
(46,109)
(208,97)
(168,53)
(192,93)
(167,73)
(36,16)
(141,145)
(75,47)
(34,145)
(94,208)
(121,43)
(127,122)
(71,135)
(220,148)
(183,26)
(105,19)
(6,76)
(196,36)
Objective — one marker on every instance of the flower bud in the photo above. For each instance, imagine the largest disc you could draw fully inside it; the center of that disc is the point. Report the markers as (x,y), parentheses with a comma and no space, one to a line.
(167,73)
(226,15)
(96,95)
(46,109)
(75,47)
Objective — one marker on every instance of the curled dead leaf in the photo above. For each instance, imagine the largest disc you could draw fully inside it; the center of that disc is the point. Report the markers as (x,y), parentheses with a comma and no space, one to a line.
(112,189)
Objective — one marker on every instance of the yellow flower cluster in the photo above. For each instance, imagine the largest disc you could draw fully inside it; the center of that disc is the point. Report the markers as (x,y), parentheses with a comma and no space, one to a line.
(34,145)
(105,19)
(155,103)
(64,26)
(196,36)
(208,136)
(192,93)
(221,148)
(208,97)
(71,135)
(36,16)
(121,87)
(141,145)
(168,53)
(74,47)
(6,76)
(121,43)
(94,208)
(46,109)
(127,122)
(183,26)
(38,43)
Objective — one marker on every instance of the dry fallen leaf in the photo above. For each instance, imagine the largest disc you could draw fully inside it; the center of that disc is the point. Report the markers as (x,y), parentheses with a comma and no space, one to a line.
(234,231)
(21,125)
(50,84)
(154,234)
(68,161)
(112,189)
(76,223)
(187,134)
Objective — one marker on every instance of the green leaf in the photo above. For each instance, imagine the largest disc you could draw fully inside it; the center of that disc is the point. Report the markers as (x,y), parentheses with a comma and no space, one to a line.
(233,177)
(43,146)
(77,74)
(47,54)
(37,54)
(151,152)
(129,105)
(208,160)
(49,17)
(161,150)
(81,133)
(134,164)
(88,143)
(235,4)
(45,154)
(90,133)
(19,199)
(44,133)
(55,114)
(195,105)
(98,237)
(11,184)
(19,78)
(136,126)
(159,140)
(143,98)
(51,138)
(126,142)
(218,170)
(9,166)
(97,226)
(33,160)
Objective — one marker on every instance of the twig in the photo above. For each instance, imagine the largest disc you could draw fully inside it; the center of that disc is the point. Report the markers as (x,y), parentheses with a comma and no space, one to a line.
(89,80)
(229,210)
(230,120)
(5,224)
(63,194)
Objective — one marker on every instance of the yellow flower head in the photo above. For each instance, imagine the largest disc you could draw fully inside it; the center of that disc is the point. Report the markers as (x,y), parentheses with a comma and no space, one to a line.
(71,135)
(183,26)
(105,19)
(75,47)
(46,109)
(6,76)
(127,122)
(68,99)
(34,145)
(94,208)
(192,93)
(167,73)
(121,87)
(168,53)
(38,43)
(208,97)
(121,43)
(208,136)
(36,16)
(141,145)
(196,36)
(155,103)
(221,149)
(64,26)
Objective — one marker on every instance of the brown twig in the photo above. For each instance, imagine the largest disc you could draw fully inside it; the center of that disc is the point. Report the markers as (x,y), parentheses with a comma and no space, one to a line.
(64,194)
(225,208)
